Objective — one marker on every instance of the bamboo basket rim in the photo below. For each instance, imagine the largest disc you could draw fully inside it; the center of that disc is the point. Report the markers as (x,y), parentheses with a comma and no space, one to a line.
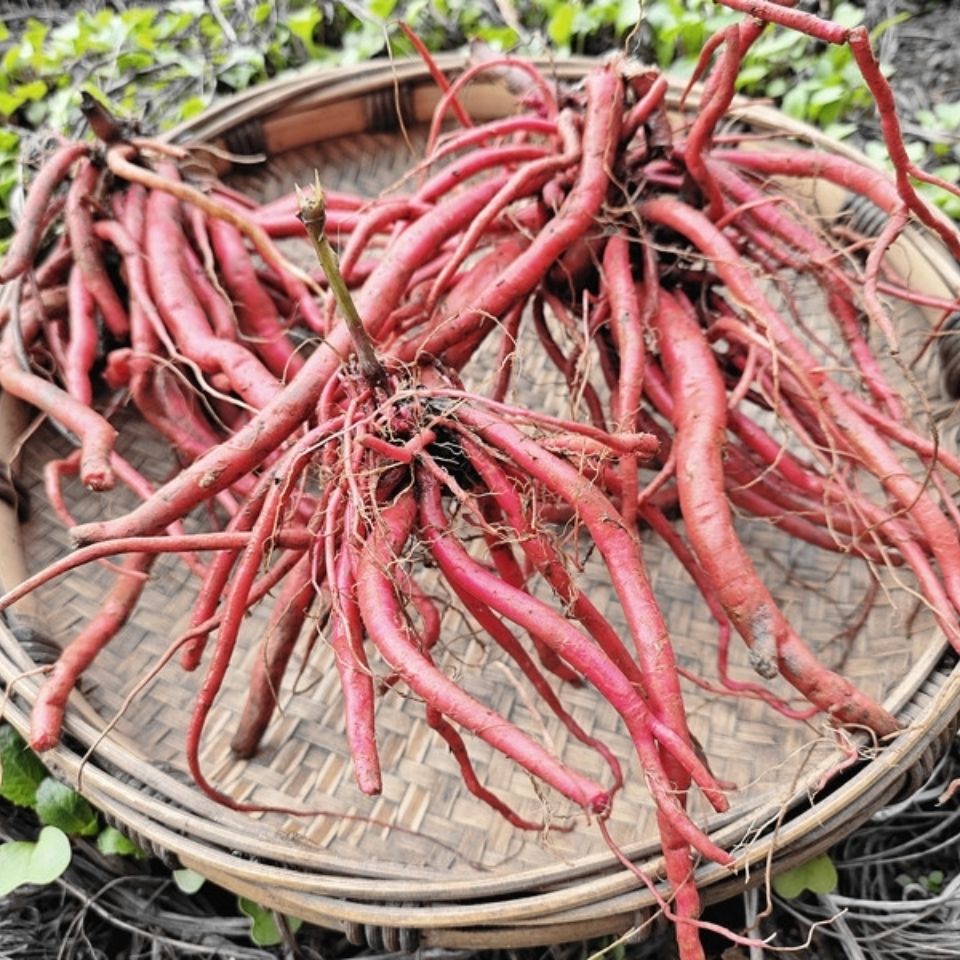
(562,898)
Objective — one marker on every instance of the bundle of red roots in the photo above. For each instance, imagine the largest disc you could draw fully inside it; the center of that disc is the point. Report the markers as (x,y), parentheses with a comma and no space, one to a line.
(336,463)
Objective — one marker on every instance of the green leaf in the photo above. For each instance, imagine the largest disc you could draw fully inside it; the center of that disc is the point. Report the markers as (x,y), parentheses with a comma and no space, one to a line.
(916,150)
(381,8)
(502,38)
(693,35)
(239,76)
(23,861)
(847,15)
(263,926)
(840,131)
(884,25)
(10,62)
(137,18)
(175,22)
(818,875)
(36,113)
(876,150)
(628,16)
(752,74)
(947,202)
(825,95)
(134,61)
(8,180)
(776,88)
(189,881)
(560,25)
(10,103)
(661,16)
(59,806)
(665,47)
(777,47)
(211,30)
(414,10)
(948,114)
(34,35)
(949,171)
(20,770)
(94,91)
(191,107)
(31,91)
(302,24)
(795,102)
(243,65)
(113,843)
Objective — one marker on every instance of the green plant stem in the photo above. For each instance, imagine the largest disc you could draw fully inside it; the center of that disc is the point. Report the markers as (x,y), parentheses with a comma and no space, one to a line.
(313,216)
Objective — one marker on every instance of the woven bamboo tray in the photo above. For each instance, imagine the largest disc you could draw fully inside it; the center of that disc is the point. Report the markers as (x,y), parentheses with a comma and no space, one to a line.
(425,863)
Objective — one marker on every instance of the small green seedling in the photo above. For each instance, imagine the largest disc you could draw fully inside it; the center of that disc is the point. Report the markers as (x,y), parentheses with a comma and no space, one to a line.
(264,931)
(113,843)
(59,806)
(188,881)
(931,882)
(818,875)
(40,861)
(20,770)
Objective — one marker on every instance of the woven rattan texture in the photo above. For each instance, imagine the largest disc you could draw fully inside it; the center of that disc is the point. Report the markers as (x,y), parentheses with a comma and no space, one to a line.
(304,760)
